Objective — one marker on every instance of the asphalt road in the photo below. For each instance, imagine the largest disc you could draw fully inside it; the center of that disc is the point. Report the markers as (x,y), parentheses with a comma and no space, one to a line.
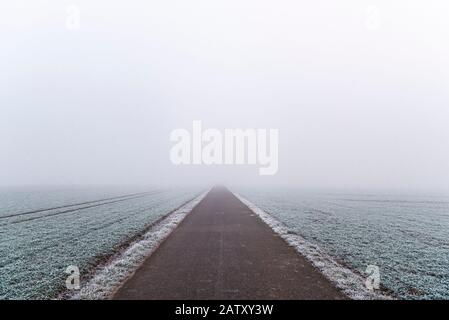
(222,250)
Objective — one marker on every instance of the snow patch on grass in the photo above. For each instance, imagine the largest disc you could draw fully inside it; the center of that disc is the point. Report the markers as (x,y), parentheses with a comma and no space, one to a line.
(345,279)
(109,277)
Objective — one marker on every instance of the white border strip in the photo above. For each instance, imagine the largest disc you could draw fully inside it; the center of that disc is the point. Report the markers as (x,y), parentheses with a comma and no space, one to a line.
(105,281)
(351,283)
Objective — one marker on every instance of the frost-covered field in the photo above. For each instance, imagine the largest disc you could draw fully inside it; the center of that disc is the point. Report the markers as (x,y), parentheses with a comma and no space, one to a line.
(81,227)
(406,236)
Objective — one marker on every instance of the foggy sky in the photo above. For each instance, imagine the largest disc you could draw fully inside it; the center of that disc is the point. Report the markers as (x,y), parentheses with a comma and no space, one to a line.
(358,89)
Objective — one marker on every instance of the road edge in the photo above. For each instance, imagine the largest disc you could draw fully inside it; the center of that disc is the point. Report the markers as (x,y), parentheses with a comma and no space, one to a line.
(108,278)
(348,281)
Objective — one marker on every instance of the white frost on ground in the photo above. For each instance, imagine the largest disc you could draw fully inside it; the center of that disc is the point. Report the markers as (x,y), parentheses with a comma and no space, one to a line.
(122,266)
(351,283)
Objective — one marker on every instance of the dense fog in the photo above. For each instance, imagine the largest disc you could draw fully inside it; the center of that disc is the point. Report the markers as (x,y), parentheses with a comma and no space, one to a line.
(90,91)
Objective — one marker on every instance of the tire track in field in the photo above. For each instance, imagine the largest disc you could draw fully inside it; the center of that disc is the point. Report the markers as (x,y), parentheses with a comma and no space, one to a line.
(88,231)
(95,228)
(70,205)
(78,209)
